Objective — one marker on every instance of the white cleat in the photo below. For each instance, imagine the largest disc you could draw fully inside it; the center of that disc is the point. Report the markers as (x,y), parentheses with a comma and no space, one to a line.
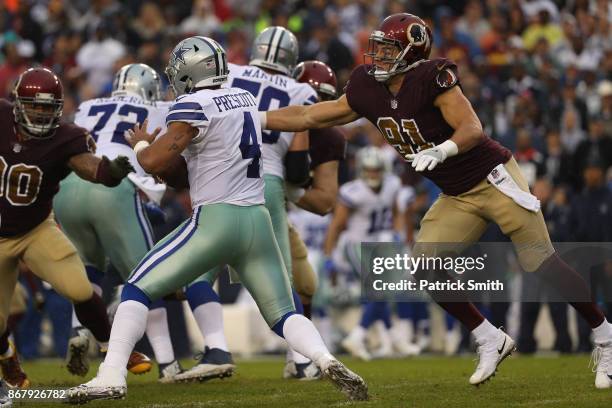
(349,383)
(602,365)
(356,348)
(204,372)
(108,384)
(490,355)
(214,363)
(406,349)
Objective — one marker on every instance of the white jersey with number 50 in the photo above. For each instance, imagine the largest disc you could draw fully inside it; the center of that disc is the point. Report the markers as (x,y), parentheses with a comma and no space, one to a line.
(224,159)
(272,91)
(107,119)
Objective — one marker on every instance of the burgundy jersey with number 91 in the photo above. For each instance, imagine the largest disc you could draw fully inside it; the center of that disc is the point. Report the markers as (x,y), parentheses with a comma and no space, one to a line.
(30,172)
(410,121)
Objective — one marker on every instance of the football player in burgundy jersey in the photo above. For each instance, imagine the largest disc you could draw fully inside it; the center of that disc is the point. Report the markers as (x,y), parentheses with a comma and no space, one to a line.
(326,148)
(419,109)
(36,152)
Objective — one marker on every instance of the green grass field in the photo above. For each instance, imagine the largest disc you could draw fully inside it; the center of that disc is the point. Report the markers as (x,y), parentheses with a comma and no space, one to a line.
(422,382)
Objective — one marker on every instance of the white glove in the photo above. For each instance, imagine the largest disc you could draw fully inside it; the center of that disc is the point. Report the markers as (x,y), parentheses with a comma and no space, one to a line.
(429,158)
(293,192)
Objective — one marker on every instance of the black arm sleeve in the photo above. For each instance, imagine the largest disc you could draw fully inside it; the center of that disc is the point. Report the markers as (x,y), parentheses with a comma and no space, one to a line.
(297,166)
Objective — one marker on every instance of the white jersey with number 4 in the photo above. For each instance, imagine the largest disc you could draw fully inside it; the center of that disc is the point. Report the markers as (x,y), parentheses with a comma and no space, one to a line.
(272,91)
(224,159)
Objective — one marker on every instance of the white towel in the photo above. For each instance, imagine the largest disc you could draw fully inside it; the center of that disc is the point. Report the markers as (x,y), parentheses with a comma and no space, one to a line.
(155,191)
(503,181)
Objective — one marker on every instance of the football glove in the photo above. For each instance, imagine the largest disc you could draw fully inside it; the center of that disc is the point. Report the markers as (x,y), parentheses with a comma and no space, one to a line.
(430,158)
(120,167)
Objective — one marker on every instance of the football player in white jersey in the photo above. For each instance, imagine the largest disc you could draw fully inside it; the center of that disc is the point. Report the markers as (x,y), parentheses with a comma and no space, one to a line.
(110,224)
(285,158)
(366,212)
(214,137)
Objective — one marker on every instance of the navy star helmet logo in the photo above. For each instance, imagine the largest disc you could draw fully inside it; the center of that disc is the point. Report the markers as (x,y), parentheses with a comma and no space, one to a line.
(179,54)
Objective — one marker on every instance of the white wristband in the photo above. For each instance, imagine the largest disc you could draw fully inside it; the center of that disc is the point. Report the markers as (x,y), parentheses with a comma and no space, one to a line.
(143,144)
(263,118)
(449,147)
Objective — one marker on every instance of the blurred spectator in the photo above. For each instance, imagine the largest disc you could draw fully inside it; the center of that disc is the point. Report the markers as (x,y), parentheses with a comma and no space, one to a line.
(473,22)
(97,57)
(202,20)
(557,160)
(17,54)
(542,27)
(597,147)
(591,221)
(150,24)
(556,213)
(528,158)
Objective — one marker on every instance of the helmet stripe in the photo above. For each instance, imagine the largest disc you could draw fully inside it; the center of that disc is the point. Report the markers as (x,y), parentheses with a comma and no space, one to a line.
(280,39)
(270,43)
(125,74)
(215,53)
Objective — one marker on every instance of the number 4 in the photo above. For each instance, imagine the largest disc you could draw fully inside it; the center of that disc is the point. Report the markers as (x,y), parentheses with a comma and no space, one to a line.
(249,146)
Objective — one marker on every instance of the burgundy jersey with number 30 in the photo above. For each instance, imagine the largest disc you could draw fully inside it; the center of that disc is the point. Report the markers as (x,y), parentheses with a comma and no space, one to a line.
(30,172)
(410,121)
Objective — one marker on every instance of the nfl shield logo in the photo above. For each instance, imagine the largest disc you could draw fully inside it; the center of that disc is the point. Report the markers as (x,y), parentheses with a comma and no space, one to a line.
(393,103)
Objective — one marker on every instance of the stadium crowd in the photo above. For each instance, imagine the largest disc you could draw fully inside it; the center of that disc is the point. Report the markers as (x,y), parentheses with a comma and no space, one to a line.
(538,73)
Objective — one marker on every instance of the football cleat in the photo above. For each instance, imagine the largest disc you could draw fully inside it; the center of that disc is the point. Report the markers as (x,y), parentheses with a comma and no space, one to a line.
(12,373)
(490,355)
(77,357)
(356,347)
(168,372)
(139,363)
(349,383)
(602,365)
(214,363)
(5,400)
(302,371)
(109,383)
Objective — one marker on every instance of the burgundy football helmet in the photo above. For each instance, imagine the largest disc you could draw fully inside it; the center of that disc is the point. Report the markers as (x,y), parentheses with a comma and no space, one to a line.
(39,99)
(319,76)
(401,41)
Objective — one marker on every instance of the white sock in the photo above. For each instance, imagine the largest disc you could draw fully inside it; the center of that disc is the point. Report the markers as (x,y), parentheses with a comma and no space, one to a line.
(303,337)
(602,333)
(128,327)
(159,335)
(400,332)
(210,320)
(298,358)
(358,333)
(75,319)
(485,331)
(383,335)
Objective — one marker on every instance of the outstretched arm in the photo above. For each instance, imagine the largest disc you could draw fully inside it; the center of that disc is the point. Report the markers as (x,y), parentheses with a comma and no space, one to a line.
(100,170)
(316,116)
